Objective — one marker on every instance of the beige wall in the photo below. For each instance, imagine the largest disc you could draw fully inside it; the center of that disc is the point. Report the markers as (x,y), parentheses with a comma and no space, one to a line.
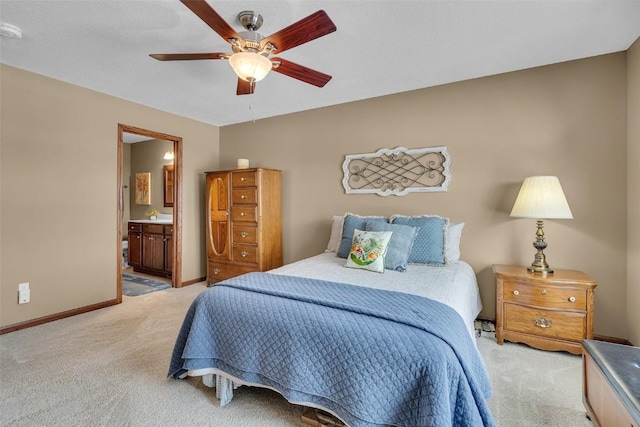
(147,156)
(58,214)
(568,120)
(633,198)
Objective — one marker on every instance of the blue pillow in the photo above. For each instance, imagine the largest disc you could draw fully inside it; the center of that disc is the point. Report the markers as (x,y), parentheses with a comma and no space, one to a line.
(351,222)
(428,246)
(400,245)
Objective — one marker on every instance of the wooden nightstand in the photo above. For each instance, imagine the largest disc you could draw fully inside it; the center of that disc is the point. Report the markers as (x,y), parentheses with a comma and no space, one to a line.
(549,312)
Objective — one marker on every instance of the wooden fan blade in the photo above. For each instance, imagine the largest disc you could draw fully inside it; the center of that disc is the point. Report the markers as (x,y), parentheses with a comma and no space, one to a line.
(300,72)
(210,17)
(245,88)
(310,28)
(188,56)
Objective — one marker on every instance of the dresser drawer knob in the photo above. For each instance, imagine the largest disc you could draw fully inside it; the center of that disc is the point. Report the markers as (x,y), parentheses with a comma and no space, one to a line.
(516,292)
(244,254)
(544,292)
(216,271)
(243,196)
(542,322)
(244,234)
(572,299)
(243,213)
(243,179)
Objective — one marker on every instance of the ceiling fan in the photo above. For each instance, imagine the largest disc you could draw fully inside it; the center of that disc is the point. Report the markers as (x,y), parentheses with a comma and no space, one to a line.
(250,58)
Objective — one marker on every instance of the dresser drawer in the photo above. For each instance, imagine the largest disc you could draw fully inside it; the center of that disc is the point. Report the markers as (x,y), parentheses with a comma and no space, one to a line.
(217,271)
(243,179)
(541,296)
(244,213)
(245,234)
(245,253)
(569,326)
(244,196)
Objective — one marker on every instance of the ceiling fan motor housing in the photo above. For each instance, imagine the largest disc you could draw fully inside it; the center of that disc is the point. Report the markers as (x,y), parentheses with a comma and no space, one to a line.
(250,20)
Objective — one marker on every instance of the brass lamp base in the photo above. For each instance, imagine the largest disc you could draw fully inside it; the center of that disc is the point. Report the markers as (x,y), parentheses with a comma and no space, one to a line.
(539,265)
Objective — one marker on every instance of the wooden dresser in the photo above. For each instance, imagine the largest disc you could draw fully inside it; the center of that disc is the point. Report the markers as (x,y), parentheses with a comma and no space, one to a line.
(611,387)
(244,222)
(548,312)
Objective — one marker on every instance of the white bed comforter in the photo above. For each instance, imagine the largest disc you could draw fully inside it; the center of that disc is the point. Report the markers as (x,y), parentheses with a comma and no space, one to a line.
(454,285)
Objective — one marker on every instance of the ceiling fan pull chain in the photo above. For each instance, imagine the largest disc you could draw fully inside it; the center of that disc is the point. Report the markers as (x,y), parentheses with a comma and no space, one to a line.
(253,111)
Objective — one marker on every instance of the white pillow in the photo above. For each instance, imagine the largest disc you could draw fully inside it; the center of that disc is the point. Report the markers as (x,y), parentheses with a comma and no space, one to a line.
(368,249)
(453,235)
(336,233)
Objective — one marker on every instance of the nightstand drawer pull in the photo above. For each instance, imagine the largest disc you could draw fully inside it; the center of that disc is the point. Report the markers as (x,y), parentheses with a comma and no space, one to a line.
(516,292)
(245,234)
(543,292)
(216,271)
(572,299)
(542,322)
(244,254)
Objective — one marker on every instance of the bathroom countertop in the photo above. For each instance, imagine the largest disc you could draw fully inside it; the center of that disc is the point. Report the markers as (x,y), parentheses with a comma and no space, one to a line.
(152,221)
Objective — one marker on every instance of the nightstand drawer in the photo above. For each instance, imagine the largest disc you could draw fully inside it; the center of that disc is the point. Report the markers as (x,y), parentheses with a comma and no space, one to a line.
(545,323)
(544,296)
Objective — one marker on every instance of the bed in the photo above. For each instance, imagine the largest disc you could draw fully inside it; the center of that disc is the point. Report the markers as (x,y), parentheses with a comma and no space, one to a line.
(372,349)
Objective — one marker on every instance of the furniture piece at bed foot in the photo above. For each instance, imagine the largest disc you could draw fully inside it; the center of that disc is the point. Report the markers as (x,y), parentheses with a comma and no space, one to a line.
(548,312)
(319,418)
(611,384)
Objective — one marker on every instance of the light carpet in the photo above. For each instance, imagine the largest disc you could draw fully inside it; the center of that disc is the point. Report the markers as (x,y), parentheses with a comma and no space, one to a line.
(108,368)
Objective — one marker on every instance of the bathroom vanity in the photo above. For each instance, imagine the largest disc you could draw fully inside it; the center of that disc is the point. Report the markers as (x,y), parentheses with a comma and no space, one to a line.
(150,248)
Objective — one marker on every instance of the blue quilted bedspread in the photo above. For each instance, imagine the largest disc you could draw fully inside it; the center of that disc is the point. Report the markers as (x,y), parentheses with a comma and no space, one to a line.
(373,357)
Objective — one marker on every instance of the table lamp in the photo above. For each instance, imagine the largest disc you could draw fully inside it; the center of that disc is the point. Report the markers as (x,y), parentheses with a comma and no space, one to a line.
(541,197)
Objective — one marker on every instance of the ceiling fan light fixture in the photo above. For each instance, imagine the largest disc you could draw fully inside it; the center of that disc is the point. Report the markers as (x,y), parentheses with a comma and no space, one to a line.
(250,66)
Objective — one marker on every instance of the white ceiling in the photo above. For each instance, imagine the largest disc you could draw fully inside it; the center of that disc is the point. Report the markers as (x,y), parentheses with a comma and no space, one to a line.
(379,48)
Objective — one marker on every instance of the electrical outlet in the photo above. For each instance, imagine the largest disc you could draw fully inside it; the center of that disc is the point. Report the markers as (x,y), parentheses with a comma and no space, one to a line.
(24,296)
(23,286)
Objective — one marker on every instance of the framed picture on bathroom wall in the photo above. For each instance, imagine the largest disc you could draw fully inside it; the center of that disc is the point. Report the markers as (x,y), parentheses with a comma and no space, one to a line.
(143,188)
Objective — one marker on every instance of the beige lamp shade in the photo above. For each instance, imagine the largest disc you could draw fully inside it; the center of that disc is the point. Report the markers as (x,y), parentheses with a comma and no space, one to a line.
(541,197)
(250,66)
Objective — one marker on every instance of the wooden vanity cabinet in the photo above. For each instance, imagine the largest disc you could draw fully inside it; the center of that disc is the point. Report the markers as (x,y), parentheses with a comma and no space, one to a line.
(244,222)
(152,248)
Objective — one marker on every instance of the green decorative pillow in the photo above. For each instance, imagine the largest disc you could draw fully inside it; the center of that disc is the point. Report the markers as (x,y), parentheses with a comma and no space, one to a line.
(368,249)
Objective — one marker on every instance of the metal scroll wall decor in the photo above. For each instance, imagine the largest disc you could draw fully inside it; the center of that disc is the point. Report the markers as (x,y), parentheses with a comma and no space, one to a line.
(398,171)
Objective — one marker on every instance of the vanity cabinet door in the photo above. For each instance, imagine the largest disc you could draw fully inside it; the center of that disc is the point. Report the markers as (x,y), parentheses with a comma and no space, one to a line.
(135,245)
(153,251)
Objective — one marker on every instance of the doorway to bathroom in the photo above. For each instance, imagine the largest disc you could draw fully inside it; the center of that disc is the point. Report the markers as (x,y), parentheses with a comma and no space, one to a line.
(137,200)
